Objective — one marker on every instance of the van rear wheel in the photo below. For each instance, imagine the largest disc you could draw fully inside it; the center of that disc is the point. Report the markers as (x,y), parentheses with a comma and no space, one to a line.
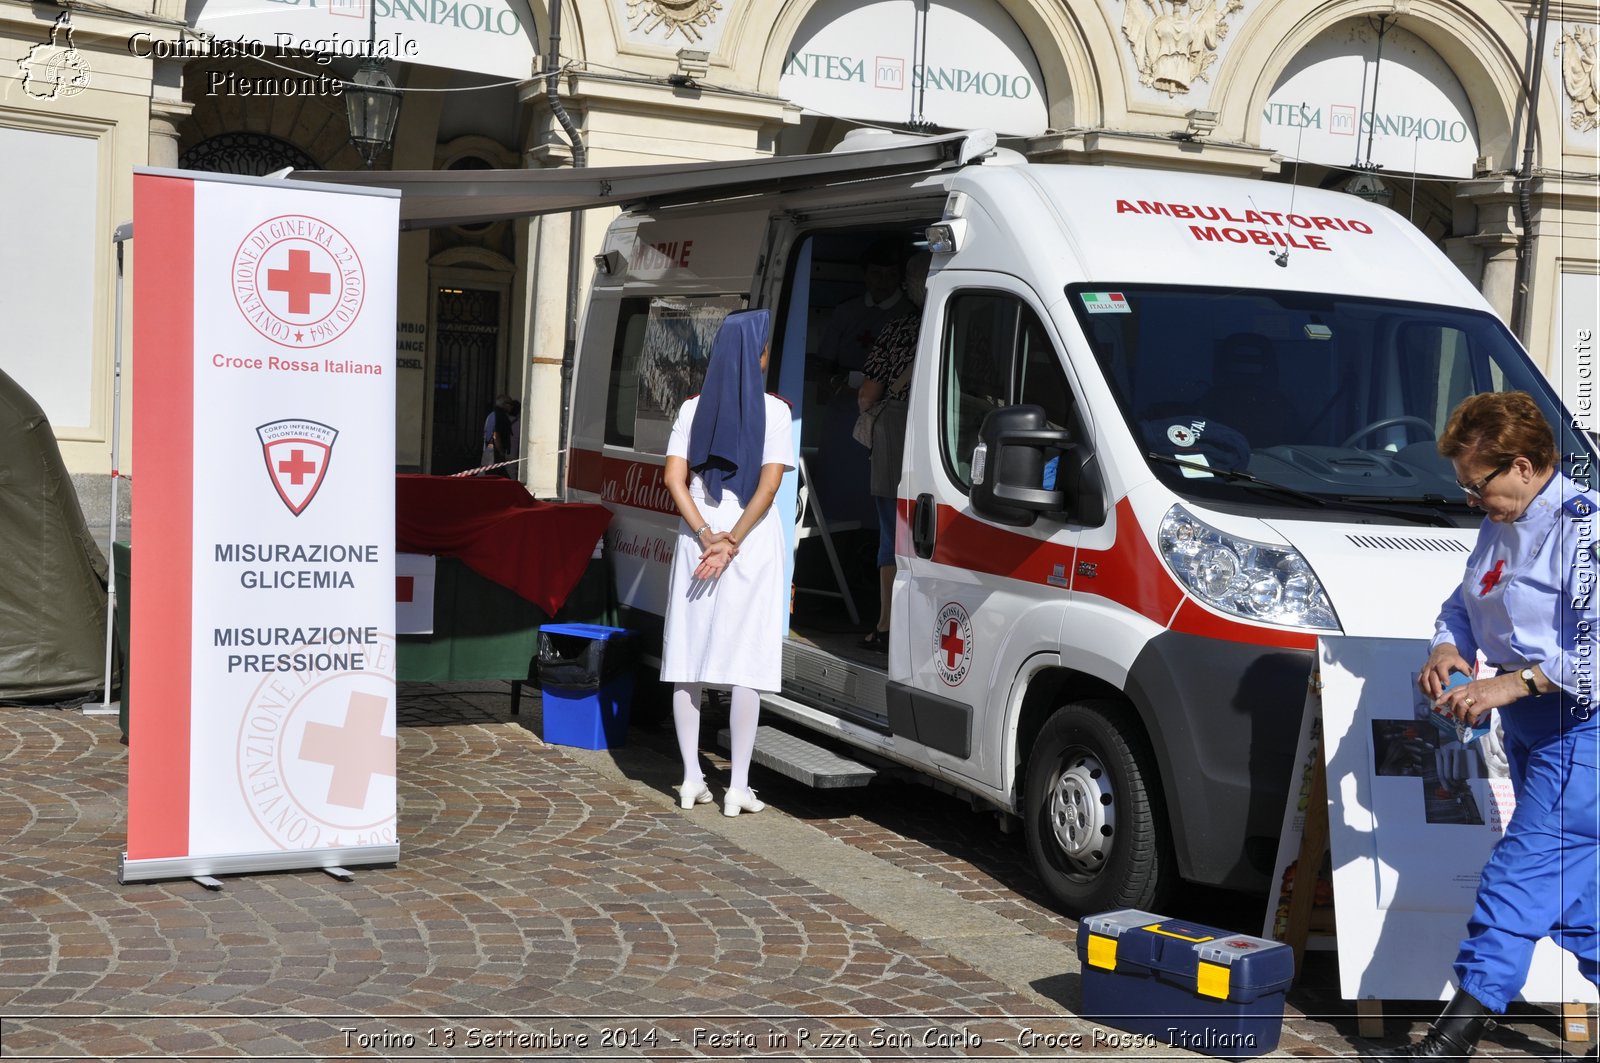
(1095,832)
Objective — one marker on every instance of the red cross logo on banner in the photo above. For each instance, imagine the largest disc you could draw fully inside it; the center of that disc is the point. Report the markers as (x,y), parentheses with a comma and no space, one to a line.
(356,750)
(952,644)
(297,454)
(1491,577)
(299,281)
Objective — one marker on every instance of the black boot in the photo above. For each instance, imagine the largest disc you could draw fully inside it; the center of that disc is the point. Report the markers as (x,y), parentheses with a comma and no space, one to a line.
(1453,1035)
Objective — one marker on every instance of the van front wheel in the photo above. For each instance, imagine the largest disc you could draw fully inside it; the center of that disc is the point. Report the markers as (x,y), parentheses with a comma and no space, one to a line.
(1094,829)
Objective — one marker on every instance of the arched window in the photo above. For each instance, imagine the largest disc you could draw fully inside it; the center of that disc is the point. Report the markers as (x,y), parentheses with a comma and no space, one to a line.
(249,154)
(471,162)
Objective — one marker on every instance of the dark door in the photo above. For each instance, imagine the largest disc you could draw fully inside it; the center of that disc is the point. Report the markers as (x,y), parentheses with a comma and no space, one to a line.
(467,345)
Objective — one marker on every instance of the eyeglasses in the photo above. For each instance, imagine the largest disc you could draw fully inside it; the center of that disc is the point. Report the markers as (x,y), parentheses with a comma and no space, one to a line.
(1475,489)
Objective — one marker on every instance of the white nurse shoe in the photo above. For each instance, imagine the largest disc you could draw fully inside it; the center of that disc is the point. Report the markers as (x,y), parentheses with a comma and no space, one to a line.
(693,793)
(736,801)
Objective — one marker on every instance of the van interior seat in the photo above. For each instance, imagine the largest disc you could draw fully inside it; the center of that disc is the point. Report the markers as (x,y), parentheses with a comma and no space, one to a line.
(1245,394)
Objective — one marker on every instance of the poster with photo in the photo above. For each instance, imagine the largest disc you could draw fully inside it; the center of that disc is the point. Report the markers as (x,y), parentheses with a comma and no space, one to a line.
(673,354)
(1412,816)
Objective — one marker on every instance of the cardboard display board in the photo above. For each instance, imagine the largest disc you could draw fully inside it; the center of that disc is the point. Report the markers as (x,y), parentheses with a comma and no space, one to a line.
(263,583)
(1287,876)
(1413,816)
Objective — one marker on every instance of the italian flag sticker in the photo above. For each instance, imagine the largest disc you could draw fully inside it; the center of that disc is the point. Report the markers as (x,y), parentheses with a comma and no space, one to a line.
(1105,303)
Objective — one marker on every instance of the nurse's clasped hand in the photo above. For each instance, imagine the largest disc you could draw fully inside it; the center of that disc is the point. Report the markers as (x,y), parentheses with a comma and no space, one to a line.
(1467,702)
(719,553)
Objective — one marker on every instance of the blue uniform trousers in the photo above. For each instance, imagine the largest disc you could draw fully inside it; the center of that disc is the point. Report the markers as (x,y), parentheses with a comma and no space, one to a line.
(1543,878)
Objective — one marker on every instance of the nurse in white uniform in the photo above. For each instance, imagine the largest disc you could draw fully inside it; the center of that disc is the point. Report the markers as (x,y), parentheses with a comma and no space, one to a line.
(727,454)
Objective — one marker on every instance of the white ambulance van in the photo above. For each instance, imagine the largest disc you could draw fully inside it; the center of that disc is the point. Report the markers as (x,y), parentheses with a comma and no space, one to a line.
(1165,430)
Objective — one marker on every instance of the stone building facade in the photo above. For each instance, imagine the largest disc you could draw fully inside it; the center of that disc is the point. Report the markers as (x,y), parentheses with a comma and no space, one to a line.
(1421,103)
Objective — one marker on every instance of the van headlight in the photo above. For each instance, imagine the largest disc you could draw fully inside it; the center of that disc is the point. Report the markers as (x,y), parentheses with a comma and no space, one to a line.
(1257,581)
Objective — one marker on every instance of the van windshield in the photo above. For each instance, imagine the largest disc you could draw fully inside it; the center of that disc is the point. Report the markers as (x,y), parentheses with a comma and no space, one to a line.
(1339,398)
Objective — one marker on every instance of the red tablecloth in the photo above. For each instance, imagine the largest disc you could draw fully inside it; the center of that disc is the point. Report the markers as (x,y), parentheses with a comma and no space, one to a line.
(497,529)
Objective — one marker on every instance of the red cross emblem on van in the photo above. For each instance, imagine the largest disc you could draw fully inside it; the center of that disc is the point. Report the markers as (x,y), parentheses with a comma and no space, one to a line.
(952,644)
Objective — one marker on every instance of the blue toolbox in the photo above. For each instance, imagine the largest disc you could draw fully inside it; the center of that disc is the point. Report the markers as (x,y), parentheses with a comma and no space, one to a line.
(1183,985)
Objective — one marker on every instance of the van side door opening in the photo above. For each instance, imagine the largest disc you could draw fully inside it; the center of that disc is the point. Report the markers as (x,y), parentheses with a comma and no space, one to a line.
(843,286)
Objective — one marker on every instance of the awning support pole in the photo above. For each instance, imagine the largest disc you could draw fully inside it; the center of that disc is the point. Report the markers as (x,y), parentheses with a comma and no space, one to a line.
(569,328)
(106,706)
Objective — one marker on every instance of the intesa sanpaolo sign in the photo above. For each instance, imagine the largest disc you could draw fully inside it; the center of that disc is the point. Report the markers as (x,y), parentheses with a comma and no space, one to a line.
(495,37)
(966,65)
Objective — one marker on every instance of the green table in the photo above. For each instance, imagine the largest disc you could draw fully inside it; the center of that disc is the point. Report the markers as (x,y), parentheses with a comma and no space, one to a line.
(482,630)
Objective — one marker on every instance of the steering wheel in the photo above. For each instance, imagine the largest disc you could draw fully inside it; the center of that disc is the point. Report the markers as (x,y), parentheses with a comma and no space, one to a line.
(1388,422)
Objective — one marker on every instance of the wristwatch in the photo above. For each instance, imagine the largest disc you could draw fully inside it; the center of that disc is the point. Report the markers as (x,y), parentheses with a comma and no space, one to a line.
(1527,678)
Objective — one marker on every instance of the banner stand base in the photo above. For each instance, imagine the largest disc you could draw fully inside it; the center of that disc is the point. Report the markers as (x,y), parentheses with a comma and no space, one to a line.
(202,867)
(101,708)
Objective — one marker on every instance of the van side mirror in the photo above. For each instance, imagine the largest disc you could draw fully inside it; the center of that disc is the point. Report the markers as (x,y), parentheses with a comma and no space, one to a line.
(1010,466)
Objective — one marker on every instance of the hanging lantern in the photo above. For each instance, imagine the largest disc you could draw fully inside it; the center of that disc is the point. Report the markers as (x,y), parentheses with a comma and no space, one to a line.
(1370,187)
(372,104)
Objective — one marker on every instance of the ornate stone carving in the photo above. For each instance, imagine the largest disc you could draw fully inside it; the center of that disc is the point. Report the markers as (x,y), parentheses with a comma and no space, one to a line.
(1580,76)
(687,17)
(1175,41)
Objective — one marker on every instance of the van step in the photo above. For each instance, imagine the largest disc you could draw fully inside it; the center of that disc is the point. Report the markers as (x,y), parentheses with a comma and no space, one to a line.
(798,759)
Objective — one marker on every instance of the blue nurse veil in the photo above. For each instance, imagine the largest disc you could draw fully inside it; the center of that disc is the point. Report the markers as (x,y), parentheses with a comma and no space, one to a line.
(729,431)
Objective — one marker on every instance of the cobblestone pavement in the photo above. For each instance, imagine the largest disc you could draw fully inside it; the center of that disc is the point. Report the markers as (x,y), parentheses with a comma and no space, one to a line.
(541,909)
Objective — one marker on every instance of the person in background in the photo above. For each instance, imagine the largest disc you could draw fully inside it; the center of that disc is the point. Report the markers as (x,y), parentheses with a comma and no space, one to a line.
(888,380)
(839,469)
(497,433)
(727,598)
(1527,602)
(853,325)
(514,446)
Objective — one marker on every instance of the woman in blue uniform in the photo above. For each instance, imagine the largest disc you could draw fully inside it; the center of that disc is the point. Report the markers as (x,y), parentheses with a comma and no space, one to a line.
(1528,602)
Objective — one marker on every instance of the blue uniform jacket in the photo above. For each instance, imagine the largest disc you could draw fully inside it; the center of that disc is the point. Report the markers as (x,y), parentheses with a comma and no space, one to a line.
(1528,595)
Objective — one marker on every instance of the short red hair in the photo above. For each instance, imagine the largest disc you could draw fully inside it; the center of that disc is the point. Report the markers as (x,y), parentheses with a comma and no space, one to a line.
(1496,428)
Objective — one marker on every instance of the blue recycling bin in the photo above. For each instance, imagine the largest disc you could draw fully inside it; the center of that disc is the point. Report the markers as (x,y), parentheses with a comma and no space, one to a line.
(586,679)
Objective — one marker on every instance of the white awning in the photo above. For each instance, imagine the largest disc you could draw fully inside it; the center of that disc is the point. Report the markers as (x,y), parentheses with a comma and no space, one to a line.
(434,198)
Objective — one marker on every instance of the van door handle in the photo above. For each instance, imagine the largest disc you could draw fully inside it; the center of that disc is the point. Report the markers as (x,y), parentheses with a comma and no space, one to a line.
(922,526)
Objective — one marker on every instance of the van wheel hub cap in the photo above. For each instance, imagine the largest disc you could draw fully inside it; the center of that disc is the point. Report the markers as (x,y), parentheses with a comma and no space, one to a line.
(1082,811)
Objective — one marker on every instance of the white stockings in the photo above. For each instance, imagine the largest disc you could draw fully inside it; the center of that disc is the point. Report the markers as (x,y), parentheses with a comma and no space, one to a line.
(686,722)
(743,713)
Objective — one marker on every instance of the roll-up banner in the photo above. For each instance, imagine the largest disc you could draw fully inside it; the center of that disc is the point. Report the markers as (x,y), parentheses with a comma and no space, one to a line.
(262,597)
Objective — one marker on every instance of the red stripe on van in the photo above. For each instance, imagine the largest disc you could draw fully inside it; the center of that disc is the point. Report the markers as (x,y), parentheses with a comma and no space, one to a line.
(1128,573)
(620,481)
(1195,619)
(585,470)
(965,542)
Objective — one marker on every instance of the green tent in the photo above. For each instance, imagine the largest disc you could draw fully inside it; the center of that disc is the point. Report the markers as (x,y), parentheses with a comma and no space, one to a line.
(52,575)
